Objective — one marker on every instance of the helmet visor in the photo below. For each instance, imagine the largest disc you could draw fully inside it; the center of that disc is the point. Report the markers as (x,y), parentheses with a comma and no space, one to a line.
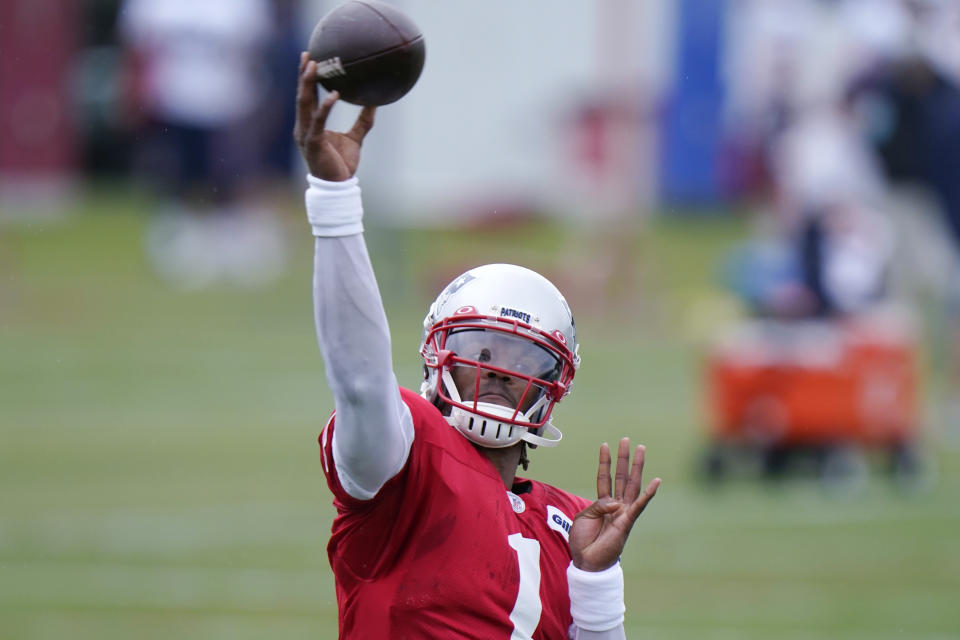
(506,352)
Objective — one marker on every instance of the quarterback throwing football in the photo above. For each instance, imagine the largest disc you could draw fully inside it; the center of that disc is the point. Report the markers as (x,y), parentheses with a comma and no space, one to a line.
(435,535)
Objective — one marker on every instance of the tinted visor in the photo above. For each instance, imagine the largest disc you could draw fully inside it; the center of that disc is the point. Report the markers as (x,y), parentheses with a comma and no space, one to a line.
(505,351)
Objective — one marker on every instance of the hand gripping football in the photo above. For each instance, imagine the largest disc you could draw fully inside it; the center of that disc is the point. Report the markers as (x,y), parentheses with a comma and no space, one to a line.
(369,51)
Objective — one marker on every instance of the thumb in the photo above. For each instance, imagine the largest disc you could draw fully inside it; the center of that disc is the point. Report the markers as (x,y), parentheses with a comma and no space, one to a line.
(599,509)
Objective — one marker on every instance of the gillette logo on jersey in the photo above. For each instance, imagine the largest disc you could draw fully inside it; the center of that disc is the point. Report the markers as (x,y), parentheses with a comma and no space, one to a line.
(559,522)
(506,312)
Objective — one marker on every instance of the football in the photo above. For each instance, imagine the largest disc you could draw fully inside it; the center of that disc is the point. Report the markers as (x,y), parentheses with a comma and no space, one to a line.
(369,51)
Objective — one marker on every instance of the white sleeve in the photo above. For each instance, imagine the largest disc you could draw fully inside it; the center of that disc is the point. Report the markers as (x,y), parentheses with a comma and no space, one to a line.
(596,603)
(374,429)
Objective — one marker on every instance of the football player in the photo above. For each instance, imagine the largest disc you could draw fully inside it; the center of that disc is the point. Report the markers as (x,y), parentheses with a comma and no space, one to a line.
(435,535)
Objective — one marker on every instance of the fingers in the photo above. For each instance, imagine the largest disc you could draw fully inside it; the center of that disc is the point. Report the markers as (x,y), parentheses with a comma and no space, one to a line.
(623,460)
(306,97)
(603,472)
(635,508)
(309,116)
(626,487)
(320,119)
(635,483)
(363,124)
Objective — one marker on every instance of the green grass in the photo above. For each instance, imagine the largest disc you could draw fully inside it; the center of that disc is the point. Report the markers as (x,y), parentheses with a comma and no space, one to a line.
(159,474)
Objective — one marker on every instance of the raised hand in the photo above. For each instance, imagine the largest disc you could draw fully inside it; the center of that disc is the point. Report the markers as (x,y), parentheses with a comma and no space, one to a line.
(600,531)
(329,155)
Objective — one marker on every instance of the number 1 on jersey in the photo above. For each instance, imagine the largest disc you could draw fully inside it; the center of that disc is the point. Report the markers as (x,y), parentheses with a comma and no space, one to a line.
(527,609)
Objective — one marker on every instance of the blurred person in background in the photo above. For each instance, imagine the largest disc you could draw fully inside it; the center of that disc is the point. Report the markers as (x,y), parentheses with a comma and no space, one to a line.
(827,227)
(275,118)
(435,534)
(785,59)
(196,81)
(828,246)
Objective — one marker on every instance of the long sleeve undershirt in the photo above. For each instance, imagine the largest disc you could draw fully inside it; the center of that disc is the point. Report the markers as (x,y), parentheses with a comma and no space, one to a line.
(374,427)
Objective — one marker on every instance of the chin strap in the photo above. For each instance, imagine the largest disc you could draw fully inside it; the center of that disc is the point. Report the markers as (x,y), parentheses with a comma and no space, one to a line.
(548,430)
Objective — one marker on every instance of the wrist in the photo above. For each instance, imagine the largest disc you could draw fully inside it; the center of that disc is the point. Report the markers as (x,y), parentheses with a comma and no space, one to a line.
(583,565)
(596,597)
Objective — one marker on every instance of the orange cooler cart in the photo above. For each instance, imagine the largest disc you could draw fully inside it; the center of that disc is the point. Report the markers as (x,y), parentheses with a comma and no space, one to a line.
(777,386)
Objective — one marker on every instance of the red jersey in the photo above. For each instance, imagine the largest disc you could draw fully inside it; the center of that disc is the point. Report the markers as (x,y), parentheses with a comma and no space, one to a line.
(444,551)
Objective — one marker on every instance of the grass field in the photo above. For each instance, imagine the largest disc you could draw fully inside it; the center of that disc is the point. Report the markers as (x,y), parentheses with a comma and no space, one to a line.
(159,475)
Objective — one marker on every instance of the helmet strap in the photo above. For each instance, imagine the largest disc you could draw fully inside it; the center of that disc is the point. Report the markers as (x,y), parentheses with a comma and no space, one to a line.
(547,429)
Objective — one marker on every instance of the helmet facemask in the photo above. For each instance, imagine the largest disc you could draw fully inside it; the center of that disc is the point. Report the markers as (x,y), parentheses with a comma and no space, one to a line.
(498,380)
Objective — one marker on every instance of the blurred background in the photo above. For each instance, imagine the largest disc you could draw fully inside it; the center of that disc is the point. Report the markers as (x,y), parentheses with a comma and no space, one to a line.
(753,208)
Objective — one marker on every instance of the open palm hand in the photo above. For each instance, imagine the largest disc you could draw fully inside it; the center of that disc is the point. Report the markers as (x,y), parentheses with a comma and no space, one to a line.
(600,531)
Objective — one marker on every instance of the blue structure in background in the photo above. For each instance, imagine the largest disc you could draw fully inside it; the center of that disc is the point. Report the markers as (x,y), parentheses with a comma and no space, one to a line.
(691,127)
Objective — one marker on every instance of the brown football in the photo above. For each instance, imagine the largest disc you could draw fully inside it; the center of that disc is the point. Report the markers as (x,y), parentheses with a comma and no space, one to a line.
(369,51)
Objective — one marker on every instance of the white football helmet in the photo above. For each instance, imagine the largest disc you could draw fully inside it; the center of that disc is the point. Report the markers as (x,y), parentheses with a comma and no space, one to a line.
(500,350)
